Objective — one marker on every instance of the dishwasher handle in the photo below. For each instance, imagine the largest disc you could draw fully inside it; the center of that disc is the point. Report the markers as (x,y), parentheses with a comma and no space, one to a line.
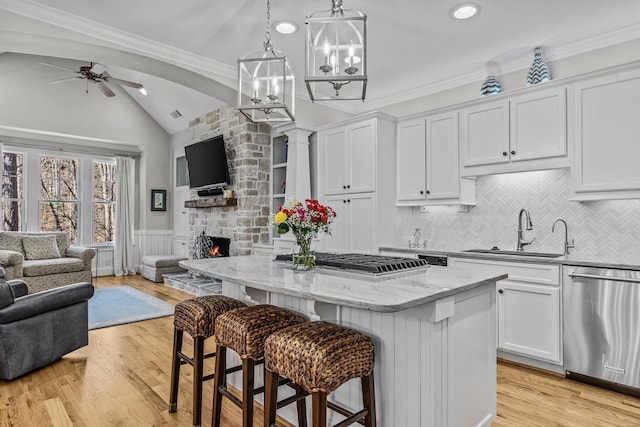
(598,277)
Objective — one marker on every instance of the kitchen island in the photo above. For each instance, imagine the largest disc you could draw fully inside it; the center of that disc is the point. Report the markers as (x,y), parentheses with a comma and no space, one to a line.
(434,330)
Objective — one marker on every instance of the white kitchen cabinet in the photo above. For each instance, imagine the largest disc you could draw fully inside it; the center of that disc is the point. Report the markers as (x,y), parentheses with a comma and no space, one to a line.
(411,161)
(181,194)
(606,128)
(427,161)
(529,319)
(350,158)
(529,308)
(352,229)
(518,133)
(356,177)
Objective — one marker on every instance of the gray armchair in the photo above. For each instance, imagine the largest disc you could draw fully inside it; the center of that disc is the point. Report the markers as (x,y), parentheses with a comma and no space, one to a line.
(38,329)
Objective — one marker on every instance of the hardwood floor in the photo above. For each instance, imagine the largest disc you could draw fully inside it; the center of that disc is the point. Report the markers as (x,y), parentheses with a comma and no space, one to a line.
(122,379)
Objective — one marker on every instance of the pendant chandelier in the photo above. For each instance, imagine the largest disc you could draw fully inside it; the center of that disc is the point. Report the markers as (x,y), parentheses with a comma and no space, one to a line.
(266,85)
(336,54)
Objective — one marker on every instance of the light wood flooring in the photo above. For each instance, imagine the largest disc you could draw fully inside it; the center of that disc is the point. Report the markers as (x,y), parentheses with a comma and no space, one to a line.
(122,379)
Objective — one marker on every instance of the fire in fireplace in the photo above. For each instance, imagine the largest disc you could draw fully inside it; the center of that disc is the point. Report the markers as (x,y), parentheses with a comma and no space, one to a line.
(210,246)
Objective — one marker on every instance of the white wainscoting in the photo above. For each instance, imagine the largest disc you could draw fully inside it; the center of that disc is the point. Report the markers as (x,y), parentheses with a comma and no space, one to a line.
(149,242)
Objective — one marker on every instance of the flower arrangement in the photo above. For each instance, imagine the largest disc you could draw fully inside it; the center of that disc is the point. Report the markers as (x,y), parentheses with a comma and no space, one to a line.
(304,220)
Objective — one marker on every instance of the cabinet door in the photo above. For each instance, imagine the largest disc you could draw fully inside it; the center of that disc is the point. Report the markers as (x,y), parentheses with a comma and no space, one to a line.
(179,247)
(335,164)
(411,161)
(362,223)
(338,241)
(529,320)
(538,125)
(485,134)
(607,129)
(362,157)
(443,176)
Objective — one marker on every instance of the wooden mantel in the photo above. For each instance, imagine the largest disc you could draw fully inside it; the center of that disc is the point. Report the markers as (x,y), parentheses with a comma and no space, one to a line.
(211,202)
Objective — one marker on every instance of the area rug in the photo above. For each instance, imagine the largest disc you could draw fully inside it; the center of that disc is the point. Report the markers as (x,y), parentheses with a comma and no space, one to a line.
(124,304)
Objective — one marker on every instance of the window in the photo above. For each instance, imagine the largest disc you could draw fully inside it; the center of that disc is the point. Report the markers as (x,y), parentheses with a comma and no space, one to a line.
(104,177)
(59,204)
(12,192)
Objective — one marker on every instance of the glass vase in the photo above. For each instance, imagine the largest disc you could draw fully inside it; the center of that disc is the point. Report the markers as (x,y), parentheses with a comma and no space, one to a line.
(303,259)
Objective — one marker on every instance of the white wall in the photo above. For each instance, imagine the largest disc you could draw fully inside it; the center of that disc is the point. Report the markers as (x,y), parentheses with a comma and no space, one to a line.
(31,104)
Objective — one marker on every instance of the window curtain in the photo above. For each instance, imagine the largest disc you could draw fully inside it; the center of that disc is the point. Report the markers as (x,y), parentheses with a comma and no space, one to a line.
(123,253)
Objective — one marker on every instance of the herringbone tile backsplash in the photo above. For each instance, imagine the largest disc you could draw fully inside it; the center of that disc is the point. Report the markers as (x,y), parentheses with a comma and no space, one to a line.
(603,230)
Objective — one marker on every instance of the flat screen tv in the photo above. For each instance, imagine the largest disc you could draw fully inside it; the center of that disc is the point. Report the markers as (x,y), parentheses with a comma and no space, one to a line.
(207,163)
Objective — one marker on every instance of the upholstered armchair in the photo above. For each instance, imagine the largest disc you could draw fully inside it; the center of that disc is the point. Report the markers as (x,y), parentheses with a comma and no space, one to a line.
(38,329)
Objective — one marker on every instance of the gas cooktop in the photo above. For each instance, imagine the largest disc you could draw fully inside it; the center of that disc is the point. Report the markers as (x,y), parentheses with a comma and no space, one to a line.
(371,264)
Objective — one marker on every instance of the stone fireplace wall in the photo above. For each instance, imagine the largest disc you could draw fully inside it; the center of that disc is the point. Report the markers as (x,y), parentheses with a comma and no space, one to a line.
(248,147)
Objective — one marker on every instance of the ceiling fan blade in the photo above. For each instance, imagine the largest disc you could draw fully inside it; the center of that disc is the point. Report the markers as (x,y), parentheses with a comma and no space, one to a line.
(58,66)
(67,79)
(124,82)
(98,68)
(107,92)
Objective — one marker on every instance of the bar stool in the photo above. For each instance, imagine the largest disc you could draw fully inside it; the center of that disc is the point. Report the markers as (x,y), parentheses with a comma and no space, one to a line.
(197,317)
(244,331)
(320,357)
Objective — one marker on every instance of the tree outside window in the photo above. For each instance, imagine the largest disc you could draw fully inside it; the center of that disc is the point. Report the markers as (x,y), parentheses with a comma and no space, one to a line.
(12,192)
(59,205)
(104,176)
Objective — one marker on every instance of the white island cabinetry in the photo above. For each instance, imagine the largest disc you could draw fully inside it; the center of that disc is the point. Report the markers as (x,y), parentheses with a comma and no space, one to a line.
(433,331)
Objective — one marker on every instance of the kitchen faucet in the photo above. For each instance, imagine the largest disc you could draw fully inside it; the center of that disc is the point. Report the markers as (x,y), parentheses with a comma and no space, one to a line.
(529,226)
(567,245)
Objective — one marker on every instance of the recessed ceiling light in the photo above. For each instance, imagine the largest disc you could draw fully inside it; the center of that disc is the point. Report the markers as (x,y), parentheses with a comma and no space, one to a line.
(285,27)
(465,10)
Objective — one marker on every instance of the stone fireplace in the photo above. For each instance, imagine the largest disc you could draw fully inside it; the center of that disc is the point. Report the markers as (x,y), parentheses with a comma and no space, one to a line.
(248,147)
(210,246)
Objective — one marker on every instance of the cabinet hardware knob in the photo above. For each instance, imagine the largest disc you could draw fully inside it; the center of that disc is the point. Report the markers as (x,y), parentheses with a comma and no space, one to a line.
(504,153)
(421,192)
(348,186)
(348,200)
(344,201)
(513,151)
(428,192)
(344,187)
(500,291)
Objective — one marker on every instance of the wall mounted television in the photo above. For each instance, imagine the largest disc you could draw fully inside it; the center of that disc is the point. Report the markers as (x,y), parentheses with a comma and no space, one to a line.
(207,163)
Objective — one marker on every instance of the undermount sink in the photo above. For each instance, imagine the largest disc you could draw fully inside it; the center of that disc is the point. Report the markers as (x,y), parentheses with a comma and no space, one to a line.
(518,253)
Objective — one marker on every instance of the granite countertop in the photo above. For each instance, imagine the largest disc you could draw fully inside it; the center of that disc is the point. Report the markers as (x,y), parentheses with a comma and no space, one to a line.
(578,259)
(388,293)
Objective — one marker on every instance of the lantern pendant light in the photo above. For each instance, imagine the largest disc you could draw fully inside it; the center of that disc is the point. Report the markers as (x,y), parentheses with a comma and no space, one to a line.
(336,54)
(266,84)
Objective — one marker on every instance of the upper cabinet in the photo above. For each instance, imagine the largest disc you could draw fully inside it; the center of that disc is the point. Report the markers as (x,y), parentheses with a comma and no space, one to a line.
(519,133)
(606,126)
(427,162)
(350,158)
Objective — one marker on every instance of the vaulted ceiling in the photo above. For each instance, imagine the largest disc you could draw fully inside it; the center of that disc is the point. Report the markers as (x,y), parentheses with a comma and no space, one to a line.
(186,52)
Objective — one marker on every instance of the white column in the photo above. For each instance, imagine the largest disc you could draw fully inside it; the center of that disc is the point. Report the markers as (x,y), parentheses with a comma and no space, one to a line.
(298,167)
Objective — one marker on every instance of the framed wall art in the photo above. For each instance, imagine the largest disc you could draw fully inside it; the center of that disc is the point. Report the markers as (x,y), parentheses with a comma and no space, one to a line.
(158,200)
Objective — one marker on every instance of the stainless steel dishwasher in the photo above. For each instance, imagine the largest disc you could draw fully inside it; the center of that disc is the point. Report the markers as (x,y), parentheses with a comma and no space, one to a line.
(601,310)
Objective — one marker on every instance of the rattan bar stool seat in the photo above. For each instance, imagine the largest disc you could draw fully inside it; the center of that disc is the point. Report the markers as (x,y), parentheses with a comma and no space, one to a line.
(320,357)
(245,331)
(195,316)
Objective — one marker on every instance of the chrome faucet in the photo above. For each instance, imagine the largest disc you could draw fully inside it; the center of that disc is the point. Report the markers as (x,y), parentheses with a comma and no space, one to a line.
(567,245)
(529,226)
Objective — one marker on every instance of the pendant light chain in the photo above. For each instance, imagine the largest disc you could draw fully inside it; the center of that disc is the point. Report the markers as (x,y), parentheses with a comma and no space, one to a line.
(336,7)
(267,43)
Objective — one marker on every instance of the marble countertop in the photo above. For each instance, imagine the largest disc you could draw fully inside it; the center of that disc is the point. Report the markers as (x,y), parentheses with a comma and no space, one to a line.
(389,293)
(572,259)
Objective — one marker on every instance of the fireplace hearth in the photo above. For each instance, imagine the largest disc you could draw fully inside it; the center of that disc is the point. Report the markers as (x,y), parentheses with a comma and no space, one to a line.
(210,246)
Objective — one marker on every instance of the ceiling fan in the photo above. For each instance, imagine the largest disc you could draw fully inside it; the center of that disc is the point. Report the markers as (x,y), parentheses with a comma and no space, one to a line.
(96,73)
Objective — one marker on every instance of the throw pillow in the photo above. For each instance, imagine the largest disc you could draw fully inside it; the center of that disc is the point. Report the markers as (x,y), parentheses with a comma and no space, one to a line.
(40,247)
